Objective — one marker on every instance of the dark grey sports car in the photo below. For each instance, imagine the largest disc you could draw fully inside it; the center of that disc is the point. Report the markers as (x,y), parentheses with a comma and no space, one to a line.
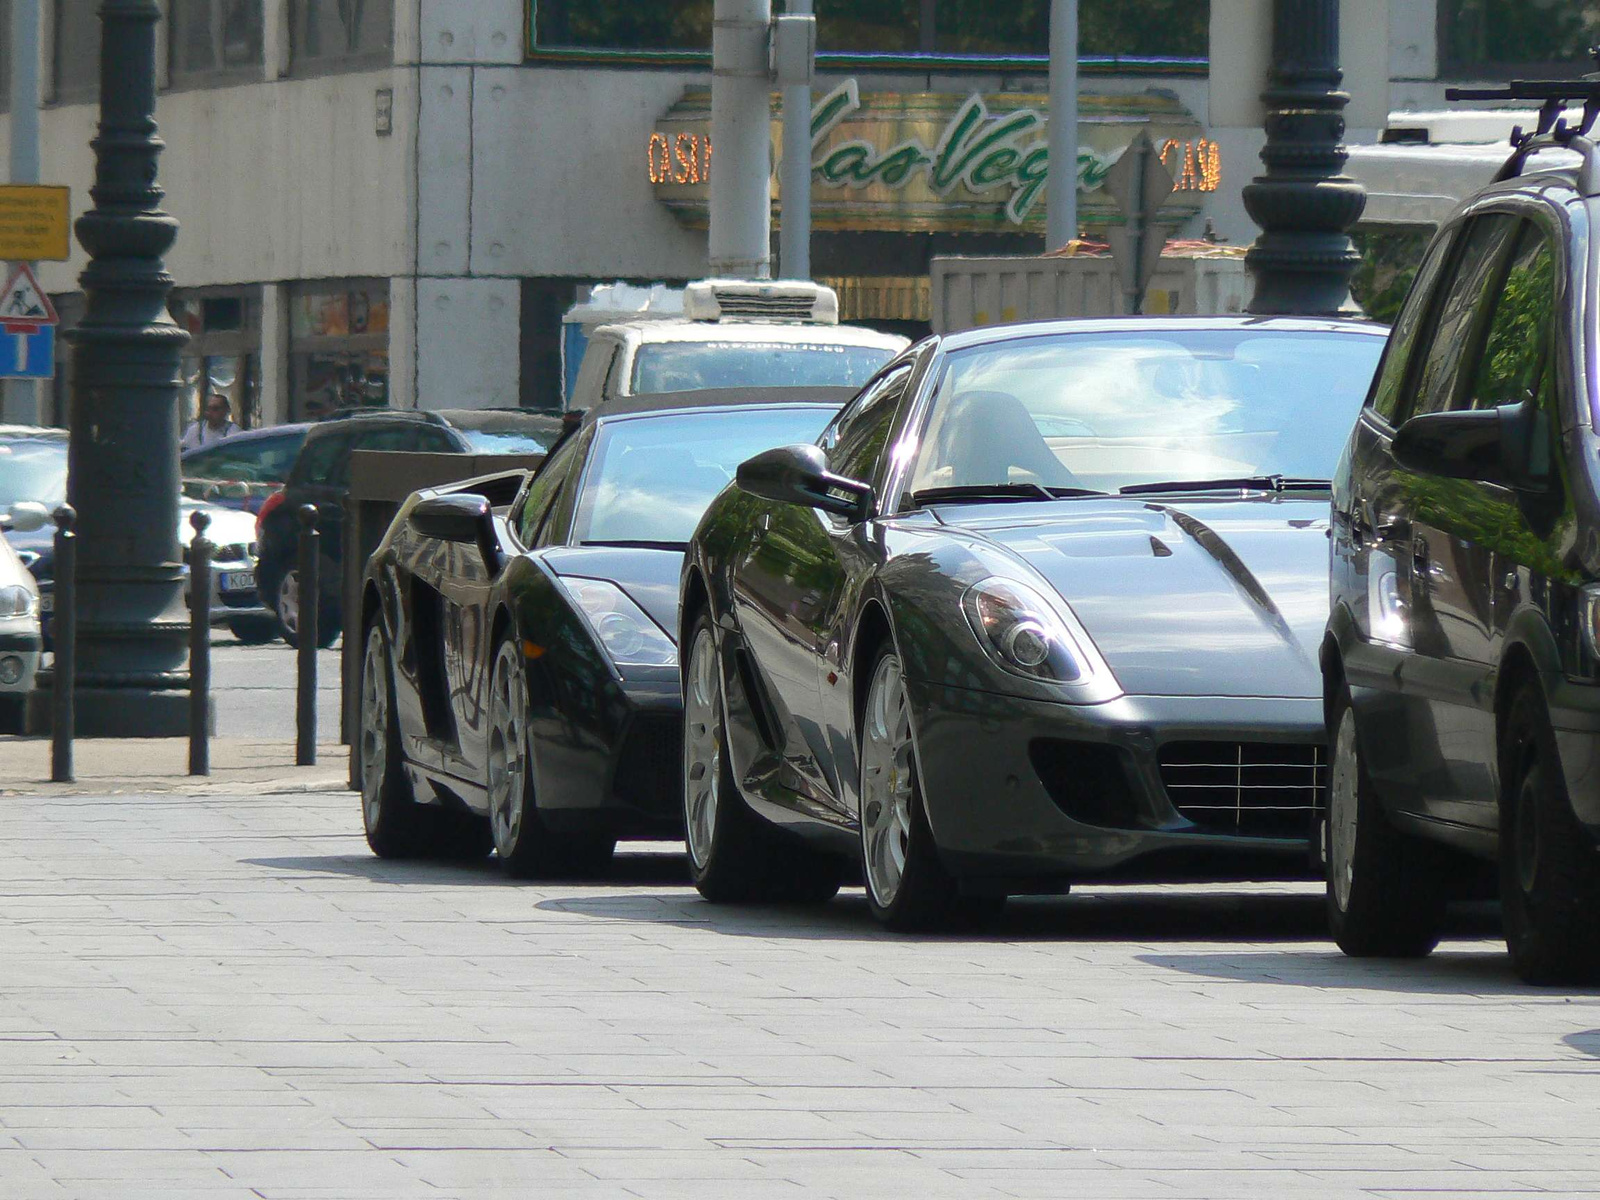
(1043,604)
(519,679)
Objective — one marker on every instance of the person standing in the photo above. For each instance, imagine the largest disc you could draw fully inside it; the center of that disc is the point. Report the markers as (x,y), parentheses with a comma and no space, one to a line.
(214,425)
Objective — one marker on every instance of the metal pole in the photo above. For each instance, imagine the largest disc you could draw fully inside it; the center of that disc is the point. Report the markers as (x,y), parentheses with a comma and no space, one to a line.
(309,598)
(199,646)
(794,234)
(1303,260)
(741,123)
(22,395)
(123,457)
(1061,196)
(65,639)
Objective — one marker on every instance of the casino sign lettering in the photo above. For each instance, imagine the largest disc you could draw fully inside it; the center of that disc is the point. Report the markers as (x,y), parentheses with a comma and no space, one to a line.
(937,161)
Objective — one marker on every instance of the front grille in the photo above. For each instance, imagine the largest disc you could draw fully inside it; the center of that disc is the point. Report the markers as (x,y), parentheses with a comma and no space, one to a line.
(1262,789)
(650,765)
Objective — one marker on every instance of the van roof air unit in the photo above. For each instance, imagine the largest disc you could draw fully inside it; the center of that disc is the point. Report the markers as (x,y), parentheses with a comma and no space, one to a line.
(786,300)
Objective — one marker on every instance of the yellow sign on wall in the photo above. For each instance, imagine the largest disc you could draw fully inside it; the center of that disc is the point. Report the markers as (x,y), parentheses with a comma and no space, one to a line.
(35,223)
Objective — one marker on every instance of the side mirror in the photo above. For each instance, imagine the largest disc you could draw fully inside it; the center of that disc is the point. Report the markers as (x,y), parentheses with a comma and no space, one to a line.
(1508,445)
(799,475)
(26,516)
(463,517)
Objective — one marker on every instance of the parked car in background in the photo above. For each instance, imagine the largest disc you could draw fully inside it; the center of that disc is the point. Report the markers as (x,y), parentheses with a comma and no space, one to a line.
(235,602)
(320,475)
(243,470)
(1041,605)
(519,673)
(20,640)
(734,335)
(1462,657)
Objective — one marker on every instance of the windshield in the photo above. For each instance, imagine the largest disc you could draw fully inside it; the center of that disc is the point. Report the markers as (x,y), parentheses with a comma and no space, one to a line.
(1109,410)
(650,480)
(510,441)
(697,366)
(33,469)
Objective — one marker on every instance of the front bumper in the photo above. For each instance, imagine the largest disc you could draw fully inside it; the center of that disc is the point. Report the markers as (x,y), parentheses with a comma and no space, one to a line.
(1020,789)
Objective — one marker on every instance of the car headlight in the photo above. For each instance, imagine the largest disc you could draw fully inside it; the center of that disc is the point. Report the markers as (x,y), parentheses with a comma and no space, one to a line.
(1021,631)
(17,601)
(630,637)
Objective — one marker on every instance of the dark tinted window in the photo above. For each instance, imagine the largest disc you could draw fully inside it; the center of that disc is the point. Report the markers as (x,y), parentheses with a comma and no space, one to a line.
(254,460)
(536,500)
(553,530)
(859,434)
(209,36)
(1477,268)
(77,49)
(1516,349)
(1496,38)
(1390,386)
(326,33)
(319,457)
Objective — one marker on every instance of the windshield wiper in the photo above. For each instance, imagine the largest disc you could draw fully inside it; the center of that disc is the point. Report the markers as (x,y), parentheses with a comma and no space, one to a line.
(1250,483)
(637,544)
(998,491)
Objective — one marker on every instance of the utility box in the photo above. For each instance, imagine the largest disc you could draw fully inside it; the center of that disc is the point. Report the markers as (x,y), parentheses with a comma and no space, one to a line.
(970,292)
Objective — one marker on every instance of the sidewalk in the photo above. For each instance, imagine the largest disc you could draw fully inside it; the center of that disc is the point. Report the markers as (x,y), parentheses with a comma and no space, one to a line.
(109,766)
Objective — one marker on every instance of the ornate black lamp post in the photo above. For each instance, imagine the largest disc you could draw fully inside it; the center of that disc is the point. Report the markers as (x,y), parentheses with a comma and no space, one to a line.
(1303,259)
(123,477)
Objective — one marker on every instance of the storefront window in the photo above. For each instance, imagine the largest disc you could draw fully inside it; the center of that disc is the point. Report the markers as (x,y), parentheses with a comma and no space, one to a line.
(223,353)
(338,347)
(210,37)
(1107,28)
(77,50)
(1493,38)
(331,34)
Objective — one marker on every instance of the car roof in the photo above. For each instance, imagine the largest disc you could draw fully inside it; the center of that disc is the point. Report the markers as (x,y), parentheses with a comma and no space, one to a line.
(989,335)
(659,331)
(721,398)
(32,433)
(501,419)
(607,415)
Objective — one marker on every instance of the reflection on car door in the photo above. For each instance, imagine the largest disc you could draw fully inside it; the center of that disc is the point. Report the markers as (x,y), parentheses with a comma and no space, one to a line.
(789,592)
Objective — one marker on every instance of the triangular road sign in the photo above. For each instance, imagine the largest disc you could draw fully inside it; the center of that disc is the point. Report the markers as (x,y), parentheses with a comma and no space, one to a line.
(24,303)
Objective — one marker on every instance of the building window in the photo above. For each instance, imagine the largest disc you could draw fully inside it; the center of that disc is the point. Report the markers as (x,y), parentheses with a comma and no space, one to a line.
(1107,28)
(338,347)
(334,35)
(77,50)
(1496,38)
(224,350)
(212,38)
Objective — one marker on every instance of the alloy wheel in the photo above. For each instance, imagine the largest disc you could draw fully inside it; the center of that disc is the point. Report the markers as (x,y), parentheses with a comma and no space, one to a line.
(374,747)
(1343,798)
(289,601)
(886,782)
(702,750)
(508,748)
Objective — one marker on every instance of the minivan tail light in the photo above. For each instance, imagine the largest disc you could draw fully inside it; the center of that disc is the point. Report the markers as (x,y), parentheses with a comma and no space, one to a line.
(267,507)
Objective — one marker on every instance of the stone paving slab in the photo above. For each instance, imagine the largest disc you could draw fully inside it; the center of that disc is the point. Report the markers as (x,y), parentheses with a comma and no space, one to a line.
(221,994)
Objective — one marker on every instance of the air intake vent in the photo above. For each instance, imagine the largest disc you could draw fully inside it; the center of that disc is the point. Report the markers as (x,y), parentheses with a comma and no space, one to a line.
(793,301)
(1261,789)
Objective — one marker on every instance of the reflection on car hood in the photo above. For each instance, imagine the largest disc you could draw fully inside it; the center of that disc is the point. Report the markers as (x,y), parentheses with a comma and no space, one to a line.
(1183,597)
(648,576)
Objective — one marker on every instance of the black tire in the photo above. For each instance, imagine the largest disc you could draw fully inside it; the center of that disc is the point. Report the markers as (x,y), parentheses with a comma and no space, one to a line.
(526,846)
(1549,869)
(926,897)
(1390,902)
(735,857)
(396,825)
(254,631)
(329,617)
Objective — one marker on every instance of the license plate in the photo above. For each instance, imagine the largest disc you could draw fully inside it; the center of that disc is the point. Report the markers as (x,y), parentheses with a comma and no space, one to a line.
(47,602)
(237,581)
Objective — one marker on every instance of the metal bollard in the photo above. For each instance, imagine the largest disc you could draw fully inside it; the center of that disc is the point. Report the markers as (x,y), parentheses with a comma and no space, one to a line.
(199,646)
(309,598)
(62,717)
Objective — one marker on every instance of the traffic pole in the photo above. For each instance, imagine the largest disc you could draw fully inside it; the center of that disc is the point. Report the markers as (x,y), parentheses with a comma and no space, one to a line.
(309,597)
(199,646)
(65,637)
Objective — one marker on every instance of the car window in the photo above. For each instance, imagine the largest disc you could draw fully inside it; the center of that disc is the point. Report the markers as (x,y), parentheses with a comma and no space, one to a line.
(858,435)
(596,365)
(697,366)
(536,500)
(319,457)
(1444,368)
(558,519)
(1516,349)
(615,374)
(253,460)
(33,469)
(1388,389)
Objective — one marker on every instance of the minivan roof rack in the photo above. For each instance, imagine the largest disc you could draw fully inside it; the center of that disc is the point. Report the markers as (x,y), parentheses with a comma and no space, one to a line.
(1552,130)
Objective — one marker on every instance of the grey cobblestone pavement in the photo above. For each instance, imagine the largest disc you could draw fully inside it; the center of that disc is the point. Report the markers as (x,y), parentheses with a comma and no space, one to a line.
(225,996)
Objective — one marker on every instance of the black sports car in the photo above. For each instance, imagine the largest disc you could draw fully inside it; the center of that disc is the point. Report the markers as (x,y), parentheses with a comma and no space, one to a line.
(1042,604)
(519,679)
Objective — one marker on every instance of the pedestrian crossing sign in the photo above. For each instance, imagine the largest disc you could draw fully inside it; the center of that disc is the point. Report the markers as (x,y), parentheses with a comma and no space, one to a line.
(25,306)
